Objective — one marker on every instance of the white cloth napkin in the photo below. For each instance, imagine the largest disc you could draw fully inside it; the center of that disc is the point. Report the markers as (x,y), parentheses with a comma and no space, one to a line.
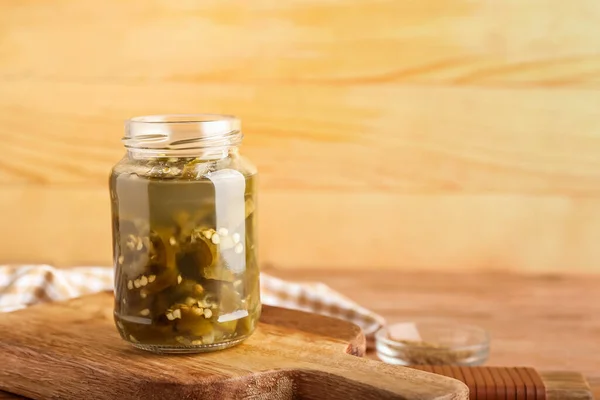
(25,285)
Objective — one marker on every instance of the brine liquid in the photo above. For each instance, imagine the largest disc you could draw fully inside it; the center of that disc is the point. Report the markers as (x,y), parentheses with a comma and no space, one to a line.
(185,256)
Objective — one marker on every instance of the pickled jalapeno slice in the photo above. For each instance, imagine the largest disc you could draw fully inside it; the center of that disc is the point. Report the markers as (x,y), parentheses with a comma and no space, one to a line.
(174,284)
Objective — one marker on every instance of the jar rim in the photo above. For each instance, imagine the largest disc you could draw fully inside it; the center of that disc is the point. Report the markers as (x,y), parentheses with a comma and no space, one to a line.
(160,133)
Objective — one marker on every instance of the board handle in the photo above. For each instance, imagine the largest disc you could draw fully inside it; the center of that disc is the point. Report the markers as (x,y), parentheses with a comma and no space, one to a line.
(344,376)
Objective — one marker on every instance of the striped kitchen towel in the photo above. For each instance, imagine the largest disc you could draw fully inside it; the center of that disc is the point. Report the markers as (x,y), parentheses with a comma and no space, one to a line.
(25,285)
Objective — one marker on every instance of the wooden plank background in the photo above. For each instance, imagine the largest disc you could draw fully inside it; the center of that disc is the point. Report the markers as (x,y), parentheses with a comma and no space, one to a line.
(407,134)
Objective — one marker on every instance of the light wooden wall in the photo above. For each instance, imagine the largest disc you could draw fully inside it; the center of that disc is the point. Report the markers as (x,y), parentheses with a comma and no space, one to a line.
(450,134)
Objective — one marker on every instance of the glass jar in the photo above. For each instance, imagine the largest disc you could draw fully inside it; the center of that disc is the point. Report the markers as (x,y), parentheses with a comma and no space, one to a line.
(184,235)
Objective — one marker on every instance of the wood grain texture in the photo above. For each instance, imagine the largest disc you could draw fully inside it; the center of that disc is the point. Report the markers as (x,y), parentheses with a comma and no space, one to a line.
(71,350)
(562,386)
(549,322)
(433,116)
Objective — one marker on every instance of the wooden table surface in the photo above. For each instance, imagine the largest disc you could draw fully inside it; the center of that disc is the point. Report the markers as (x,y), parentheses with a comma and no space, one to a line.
(548,322)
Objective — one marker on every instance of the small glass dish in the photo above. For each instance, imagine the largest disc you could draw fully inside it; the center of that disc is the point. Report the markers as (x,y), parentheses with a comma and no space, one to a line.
(432,342)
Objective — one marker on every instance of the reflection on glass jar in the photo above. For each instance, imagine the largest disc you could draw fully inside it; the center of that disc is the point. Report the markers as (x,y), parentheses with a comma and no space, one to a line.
(184,225)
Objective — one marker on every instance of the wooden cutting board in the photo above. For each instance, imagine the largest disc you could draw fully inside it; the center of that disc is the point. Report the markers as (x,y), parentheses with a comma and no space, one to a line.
(71,350)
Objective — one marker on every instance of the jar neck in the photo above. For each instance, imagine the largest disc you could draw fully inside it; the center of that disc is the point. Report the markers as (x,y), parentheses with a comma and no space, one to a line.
(209,154)
(201,136)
